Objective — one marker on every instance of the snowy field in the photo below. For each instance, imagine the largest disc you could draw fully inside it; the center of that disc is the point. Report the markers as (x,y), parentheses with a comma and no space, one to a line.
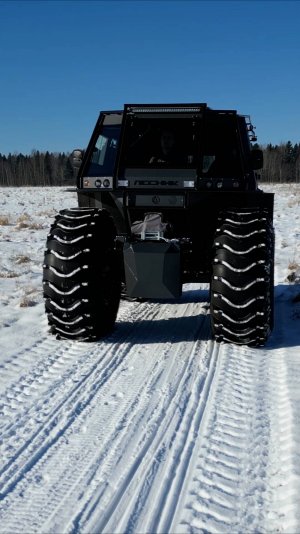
(155,429)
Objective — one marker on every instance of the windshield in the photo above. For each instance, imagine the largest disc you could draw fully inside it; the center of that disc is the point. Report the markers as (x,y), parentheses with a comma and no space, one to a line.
(103,157)
(157,142)
(211,145)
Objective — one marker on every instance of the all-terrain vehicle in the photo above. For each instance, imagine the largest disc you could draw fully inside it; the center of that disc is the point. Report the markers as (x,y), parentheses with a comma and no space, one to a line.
(167,195)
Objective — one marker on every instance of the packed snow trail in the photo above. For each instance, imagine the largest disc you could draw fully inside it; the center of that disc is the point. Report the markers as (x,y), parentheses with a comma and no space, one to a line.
(155,429)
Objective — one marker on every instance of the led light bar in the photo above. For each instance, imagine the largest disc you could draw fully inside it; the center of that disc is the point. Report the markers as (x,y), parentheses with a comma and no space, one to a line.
(165,110)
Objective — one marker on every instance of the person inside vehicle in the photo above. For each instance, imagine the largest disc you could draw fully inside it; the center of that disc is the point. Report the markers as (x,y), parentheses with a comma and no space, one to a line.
(168,150)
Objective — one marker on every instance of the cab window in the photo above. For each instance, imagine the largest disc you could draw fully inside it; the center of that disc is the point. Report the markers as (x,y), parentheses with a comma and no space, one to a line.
(103,158)
(157,142)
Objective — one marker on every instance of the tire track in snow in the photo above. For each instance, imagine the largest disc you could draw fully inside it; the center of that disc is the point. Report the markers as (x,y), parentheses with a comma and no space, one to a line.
(283,511)
(177,439)
(19,361)
(51,426)
(283,494)
(213,493)
(51,358)
(163,486)
(45,351)
(41,417)
(171,430)
(235,483)
(66,485)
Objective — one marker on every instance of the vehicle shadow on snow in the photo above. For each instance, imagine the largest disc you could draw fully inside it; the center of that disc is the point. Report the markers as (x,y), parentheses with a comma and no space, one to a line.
(286,332)
(191,295)
(169,329)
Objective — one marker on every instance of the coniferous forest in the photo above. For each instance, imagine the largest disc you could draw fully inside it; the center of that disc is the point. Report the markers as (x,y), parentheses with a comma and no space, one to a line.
(39,168)
(281,164)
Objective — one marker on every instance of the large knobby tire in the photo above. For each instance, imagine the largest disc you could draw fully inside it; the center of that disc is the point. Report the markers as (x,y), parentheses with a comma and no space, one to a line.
(243,278)
(81,275)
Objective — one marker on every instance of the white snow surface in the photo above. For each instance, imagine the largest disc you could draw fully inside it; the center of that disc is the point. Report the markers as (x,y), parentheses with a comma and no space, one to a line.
(155,429)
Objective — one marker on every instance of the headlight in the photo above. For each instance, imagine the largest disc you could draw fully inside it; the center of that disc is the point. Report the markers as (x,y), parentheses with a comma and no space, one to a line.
(97,182)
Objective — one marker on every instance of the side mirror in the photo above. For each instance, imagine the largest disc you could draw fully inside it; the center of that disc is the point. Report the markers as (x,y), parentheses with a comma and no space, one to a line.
(256,159)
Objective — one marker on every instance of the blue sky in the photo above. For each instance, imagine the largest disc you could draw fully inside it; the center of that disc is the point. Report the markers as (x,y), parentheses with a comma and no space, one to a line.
(63,61)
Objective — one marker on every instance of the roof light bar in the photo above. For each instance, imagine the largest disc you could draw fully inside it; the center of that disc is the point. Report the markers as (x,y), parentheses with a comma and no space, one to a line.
(165,110)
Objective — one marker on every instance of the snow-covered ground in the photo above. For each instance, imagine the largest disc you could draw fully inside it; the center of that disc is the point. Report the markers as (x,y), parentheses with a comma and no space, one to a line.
(155,429)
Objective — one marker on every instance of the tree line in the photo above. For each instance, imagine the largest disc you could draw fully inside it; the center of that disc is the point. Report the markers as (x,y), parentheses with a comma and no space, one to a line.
(281,164)
(38,168)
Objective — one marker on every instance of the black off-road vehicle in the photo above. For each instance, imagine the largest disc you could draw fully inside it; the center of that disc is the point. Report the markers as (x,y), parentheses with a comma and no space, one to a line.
(167,194)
